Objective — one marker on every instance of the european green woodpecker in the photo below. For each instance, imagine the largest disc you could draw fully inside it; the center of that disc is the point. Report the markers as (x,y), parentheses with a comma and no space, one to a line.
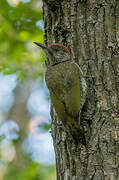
(67,86)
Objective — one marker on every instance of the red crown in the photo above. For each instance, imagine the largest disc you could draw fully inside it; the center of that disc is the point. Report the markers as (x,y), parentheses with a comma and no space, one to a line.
(64,47)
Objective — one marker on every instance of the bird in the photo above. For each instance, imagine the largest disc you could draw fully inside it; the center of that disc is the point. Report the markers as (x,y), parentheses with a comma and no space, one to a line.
(67,86)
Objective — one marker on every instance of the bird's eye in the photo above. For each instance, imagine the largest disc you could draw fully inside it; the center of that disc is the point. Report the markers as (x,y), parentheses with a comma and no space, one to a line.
(56,50)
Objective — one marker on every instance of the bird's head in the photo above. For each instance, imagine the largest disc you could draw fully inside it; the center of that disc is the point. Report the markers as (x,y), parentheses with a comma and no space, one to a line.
(56,53)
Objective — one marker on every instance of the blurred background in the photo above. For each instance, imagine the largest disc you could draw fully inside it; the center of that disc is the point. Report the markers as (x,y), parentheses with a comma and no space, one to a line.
(26,147)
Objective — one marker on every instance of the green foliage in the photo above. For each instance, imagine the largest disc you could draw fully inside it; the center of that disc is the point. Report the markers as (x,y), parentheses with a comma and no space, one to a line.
(18,54)
(18,30)
(33,172)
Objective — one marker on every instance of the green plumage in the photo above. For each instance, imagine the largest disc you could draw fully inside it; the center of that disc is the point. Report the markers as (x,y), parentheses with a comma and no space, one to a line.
(64,85)
(63,82)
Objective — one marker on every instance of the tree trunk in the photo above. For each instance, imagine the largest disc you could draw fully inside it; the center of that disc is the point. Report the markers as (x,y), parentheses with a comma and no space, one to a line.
(19,114)
(90,28)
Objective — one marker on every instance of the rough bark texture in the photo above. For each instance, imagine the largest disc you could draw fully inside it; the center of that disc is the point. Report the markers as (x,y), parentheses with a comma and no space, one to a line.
(90,28)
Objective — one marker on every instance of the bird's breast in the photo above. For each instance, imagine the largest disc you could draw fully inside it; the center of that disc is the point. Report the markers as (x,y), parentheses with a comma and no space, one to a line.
(62,77)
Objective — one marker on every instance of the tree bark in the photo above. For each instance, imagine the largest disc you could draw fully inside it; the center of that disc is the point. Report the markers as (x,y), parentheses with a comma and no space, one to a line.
(90,28)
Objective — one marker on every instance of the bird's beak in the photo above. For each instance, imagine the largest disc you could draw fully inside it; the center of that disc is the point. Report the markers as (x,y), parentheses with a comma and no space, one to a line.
(44,47)
(41,45)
